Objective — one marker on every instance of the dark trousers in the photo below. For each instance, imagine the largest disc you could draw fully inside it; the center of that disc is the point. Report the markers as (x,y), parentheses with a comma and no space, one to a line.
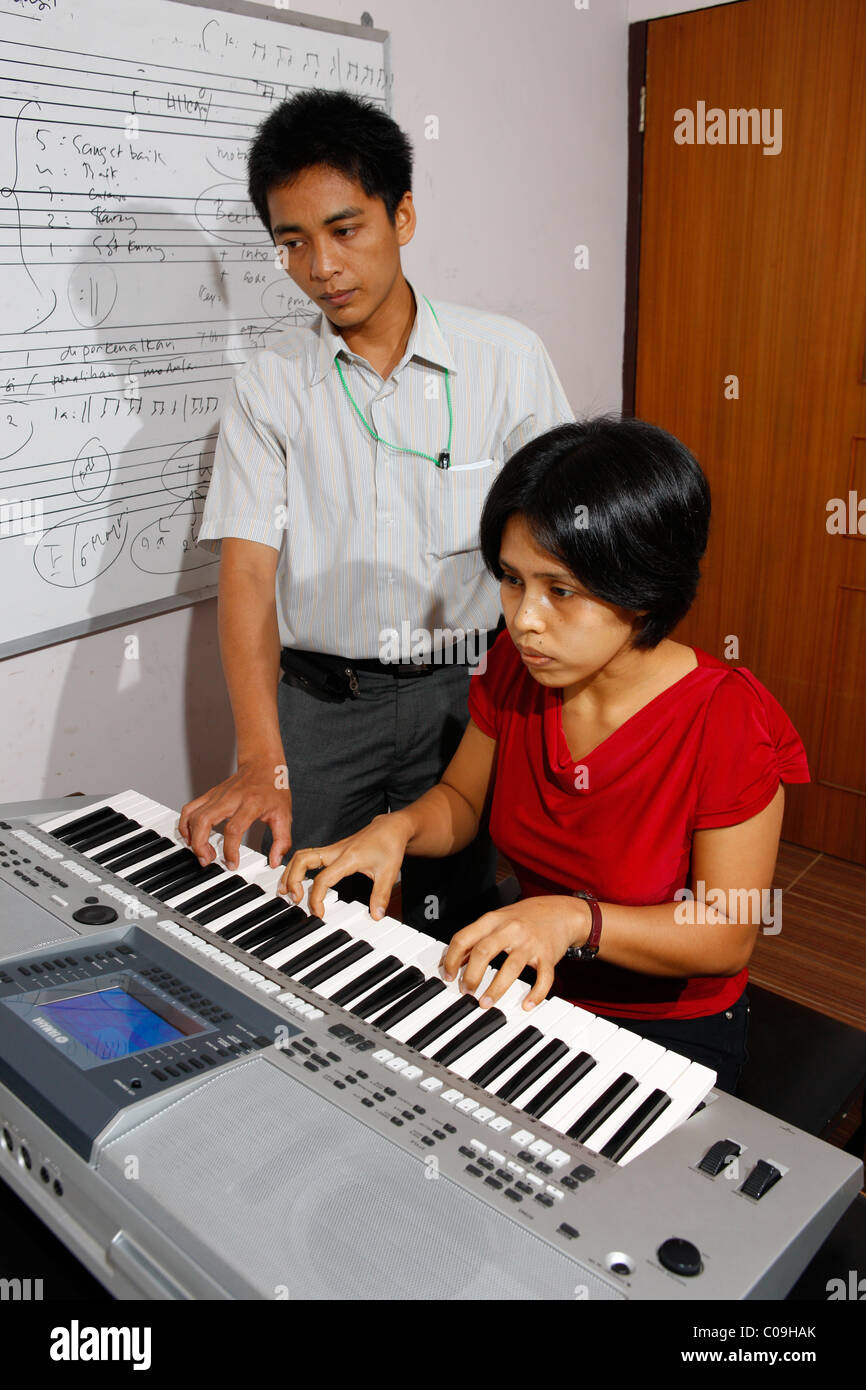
(356,759)
(718,1041)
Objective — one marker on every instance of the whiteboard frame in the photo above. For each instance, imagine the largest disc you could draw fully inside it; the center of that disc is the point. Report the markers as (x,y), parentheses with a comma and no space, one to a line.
(303,21)
(69,632)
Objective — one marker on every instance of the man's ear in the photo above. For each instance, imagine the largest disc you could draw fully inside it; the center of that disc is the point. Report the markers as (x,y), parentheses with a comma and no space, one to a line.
(405,219)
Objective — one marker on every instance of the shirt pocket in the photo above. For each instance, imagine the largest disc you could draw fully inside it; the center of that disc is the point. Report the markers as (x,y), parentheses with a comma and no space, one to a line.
(458,495)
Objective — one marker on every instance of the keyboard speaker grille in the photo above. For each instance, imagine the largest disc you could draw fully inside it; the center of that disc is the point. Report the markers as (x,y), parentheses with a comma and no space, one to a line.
(278,1193)
(26,926)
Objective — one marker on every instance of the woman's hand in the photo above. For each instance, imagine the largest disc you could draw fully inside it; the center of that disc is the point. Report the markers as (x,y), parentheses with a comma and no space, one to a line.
(534,931)
(376,851)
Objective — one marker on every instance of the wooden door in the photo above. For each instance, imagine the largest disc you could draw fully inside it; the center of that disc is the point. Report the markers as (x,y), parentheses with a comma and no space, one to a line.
(751,347)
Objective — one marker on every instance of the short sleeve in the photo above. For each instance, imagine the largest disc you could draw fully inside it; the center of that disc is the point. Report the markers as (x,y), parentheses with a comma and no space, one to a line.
(248,485)
(545,405)
(488,689)
(748,747)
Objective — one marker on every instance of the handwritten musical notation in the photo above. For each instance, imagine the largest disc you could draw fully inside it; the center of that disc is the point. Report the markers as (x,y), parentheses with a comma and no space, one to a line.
(136,279)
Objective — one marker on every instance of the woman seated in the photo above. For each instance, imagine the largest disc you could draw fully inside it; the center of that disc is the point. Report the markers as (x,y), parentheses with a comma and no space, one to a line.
(615,762)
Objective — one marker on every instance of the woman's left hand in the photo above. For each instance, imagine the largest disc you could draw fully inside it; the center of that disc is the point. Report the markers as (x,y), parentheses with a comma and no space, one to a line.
(534,931)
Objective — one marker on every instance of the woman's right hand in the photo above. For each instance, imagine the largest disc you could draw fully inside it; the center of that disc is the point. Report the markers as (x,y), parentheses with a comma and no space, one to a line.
(376,851)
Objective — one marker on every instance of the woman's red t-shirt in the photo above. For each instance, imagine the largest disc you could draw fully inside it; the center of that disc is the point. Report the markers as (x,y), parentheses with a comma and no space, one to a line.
(708,751)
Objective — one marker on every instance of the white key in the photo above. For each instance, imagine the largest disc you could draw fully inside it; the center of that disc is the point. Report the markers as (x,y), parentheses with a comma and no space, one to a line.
(287,953)
(663,1074)
(163,825)
(412,948)
(567,1021)
(386,935)
(425,961)
(509,1005)
(236,914)
(584,1032)
(548,1012)
(449,1034)
(142,811)
(267,879)
(686,1092)
(120,802)
(328,988)
(620,1054)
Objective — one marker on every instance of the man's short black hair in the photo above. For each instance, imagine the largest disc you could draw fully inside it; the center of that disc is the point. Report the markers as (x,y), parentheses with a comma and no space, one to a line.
(346,132)
(640,540)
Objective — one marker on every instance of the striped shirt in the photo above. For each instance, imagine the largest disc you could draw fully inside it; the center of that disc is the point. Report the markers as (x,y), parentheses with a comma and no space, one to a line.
(371,537)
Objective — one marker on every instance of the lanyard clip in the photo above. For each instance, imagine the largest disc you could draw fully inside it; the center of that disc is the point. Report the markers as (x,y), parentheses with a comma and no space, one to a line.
(444,460)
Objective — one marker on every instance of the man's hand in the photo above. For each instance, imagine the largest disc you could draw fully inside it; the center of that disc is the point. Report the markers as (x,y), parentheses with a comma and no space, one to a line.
(534,931)
(376,851)
(254,792)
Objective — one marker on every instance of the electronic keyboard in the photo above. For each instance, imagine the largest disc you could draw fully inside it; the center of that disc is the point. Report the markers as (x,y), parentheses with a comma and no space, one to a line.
(309,1110)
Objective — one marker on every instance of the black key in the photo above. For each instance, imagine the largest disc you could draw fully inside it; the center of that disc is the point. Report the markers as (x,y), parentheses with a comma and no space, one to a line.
(602,1108)
(111,826)
(281,936)
(477,1031)
(389,992)
(210,895)
(332,967)
(534,1069)
(105,856)
(185,881)
(636,1125)
(226,905)
(267,915)
(558,1085)
(171,873)
(370,978)
(101,834)
(181,859)
(442,1022)
(497,1064)
(82,822)
(135,856)
(421,994)
(325,947)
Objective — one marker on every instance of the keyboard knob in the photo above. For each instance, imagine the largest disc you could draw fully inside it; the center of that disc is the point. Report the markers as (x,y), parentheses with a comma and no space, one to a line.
(97,915)
(680,1256)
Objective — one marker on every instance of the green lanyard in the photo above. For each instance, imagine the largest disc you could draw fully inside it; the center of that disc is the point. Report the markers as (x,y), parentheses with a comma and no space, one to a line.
(444,459)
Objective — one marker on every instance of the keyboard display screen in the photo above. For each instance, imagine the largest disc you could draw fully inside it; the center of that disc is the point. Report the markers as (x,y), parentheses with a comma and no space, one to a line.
(110,1022)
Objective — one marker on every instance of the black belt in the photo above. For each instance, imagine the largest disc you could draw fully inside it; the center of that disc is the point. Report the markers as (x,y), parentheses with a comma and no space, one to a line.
(334,678)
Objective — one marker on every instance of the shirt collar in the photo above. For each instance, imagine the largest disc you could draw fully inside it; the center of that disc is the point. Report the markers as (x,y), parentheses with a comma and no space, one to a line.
(425,342)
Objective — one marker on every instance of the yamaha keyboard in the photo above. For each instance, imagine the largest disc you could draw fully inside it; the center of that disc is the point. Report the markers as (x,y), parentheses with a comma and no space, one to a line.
(208,1093)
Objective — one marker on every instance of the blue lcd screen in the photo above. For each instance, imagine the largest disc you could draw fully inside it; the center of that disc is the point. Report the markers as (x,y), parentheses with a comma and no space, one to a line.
(110,1022)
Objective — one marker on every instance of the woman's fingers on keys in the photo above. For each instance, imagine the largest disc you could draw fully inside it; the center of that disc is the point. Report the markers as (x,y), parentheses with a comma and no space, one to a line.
(462,943)
(482,953)
(383,886)
(504,978)
(297,870)
(544,977)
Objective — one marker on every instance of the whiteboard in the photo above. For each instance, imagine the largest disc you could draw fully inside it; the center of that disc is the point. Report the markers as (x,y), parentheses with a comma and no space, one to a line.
(136,279)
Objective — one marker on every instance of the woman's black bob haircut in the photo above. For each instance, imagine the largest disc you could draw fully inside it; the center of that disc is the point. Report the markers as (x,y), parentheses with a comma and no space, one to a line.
(343,131)
(622,504)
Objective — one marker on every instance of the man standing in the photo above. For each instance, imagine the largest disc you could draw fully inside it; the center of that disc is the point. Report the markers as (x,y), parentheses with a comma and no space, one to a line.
(352,464)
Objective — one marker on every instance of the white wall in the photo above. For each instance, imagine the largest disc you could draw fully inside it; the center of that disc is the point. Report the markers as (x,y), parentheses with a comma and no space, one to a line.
(531,160)
(655,9)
